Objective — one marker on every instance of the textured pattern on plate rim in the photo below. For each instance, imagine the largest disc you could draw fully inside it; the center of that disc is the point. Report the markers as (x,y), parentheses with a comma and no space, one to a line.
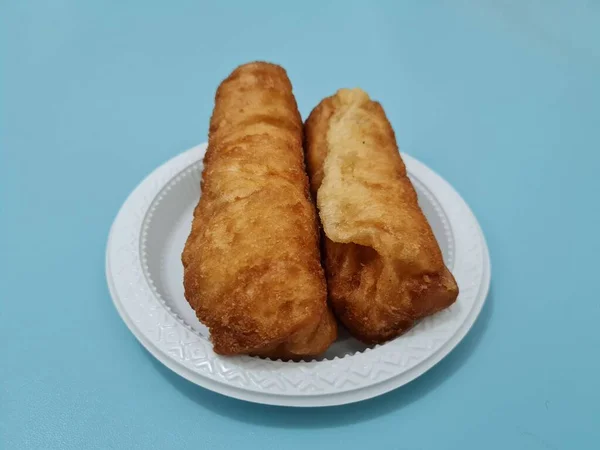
(196,167)
(135,298)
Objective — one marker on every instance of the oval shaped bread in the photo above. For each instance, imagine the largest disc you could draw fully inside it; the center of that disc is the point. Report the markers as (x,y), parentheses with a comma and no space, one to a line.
(251,263)
(384,267)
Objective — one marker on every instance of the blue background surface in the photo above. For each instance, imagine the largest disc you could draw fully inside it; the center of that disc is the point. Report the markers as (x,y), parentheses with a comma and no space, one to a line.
(501,98)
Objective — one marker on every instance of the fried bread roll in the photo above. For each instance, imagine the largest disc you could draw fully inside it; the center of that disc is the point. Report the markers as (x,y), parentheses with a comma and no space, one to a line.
(384,267)
(251,263)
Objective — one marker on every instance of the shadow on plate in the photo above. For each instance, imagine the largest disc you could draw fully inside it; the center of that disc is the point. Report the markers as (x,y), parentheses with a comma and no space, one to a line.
(331,417)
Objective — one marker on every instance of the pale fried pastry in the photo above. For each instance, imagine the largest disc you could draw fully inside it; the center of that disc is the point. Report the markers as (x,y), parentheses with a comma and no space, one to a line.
(251,263)
(384,266)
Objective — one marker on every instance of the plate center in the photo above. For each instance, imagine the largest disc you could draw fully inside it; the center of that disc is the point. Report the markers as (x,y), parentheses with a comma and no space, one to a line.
(167,226)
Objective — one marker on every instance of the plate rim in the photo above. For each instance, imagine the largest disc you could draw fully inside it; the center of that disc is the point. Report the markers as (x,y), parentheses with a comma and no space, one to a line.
(305,399)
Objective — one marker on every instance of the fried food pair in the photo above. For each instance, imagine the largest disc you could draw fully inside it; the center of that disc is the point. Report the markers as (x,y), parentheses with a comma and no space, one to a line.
(251,263)
(384,267)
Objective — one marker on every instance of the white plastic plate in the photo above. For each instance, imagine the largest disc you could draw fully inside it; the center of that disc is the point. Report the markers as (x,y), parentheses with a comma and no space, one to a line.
(145,278)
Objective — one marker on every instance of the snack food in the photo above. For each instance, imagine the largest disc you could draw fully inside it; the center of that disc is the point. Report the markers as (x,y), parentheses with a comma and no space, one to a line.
(251,263)
(384,266)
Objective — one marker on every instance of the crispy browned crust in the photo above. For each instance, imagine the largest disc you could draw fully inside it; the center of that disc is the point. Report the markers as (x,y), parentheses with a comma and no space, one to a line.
(251,263)
(383,264)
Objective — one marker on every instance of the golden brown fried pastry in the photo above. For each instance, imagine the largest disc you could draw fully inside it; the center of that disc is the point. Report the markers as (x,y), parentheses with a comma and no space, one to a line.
(251,263)
(384,267)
